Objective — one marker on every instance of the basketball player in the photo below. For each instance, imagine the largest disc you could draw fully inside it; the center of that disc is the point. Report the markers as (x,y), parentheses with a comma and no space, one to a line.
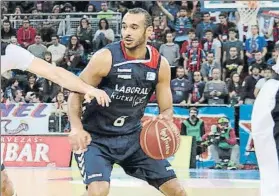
(265,132)
(19,58)
(129,71)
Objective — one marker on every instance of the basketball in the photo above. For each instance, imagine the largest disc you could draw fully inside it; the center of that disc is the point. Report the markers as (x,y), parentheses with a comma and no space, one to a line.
(159,139)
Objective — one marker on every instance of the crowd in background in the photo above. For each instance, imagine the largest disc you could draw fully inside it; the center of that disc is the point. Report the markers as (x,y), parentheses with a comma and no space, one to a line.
(214,59)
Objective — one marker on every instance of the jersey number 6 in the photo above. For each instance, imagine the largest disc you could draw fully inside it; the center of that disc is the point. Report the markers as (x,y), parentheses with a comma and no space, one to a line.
(119,122)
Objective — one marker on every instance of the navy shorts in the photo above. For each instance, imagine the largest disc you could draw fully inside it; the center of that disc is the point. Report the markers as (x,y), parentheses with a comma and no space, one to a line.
(97,162)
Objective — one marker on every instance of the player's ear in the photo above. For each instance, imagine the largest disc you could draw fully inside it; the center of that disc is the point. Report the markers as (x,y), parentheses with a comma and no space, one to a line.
(149,31)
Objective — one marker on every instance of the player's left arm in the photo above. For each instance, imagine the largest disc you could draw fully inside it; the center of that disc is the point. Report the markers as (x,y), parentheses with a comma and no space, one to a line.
(163,91)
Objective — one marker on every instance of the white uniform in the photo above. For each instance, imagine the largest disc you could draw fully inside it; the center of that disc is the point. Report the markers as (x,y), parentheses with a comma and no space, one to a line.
(15,58)
(263,127)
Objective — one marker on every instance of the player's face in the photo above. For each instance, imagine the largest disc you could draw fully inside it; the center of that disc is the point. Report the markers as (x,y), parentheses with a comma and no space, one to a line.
(134,32)
(180,73)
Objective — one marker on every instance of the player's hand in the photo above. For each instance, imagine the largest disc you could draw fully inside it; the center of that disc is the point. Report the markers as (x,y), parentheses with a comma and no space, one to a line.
(100,95)
(79,140)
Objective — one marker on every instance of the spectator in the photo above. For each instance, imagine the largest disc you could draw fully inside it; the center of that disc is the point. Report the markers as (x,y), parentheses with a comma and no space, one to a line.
(198,89)
(17,97)
(181,88)
(255,43)
(46,33)
(36,98)
(234,88)
(122,8)
(3,100)
(266,24)
(248,86)
(216,90)
(194,58)
(32,85)
(57,50)
(211,44)
(74,53)
(275,31)
(205,25)
(48,58)
(208,66)
(233,42)
(54,19)
(152,41)
(159,29)
(104,35)
(84,33)
(6,33)
(170,50)
(182,23)
(26,34)
(91,8)
(105,13)
(186,46)
(37,49)
(268,72)
(259,62)
(221,142)
(232,64)
(50,91)
(272,61)
(17,14)
(170,10)
(194,126)
(13,86)
(223,27)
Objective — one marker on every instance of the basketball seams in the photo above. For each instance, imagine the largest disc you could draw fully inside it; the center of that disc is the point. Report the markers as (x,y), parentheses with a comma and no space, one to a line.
(158,139)
(145,139)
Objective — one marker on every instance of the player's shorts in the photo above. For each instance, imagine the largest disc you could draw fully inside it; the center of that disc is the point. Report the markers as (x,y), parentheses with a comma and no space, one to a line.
(97,162)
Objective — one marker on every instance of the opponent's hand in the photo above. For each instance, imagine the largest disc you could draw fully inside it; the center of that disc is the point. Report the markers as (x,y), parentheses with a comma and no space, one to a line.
(79,140)
(100,95)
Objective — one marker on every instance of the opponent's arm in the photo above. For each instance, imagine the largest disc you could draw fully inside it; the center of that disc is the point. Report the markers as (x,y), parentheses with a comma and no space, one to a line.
(98,67)
(58,75)
(163,91)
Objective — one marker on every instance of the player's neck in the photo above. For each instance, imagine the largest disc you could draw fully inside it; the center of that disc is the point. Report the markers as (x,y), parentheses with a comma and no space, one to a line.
(138,53)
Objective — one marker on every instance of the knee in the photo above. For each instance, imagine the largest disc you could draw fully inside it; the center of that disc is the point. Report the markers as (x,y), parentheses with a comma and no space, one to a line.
(98,189)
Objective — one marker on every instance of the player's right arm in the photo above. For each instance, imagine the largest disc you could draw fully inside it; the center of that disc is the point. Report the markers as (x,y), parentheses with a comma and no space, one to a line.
(97,68)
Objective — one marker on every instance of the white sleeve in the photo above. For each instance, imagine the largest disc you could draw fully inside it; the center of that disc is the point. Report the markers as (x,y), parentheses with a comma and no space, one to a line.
(262,131)
(18,57)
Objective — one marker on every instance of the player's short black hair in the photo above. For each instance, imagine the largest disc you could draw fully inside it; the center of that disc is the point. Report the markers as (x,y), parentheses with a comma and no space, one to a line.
(148,18)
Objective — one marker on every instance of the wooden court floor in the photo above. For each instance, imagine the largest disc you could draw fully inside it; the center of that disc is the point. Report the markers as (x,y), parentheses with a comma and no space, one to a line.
(66,182)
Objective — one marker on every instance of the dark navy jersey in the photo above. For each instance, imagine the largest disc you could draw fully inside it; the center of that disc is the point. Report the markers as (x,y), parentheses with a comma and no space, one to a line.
(130,84)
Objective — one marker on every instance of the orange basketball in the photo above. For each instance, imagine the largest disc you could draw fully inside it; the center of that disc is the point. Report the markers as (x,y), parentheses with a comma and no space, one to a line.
(159,139)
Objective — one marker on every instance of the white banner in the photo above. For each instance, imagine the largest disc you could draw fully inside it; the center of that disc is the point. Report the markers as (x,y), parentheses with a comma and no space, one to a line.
(25,118)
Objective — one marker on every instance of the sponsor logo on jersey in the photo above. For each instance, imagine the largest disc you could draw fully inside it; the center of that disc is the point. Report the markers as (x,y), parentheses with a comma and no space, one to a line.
(138,100)
(124,70)
(150,76)
(95,175)
(125,77)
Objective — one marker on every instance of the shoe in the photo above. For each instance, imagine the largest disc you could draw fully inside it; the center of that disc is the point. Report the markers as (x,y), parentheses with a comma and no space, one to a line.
(232,166)
(218,166)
